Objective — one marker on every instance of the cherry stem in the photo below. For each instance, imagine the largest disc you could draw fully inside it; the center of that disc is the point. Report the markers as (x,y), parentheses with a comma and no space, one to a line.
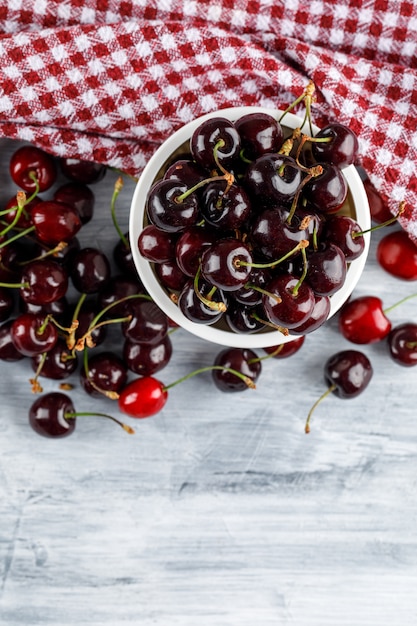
(248,381)
(300,245)
(270,355)
(229,178)
(277,299)
(288,144)
(21,233)
(112,395)
(281,329)
(211,304)
(410,344)
(312,172)
(14,285)
(125,427)
(36,386)
(306,97)
(317,402)
(118,186)
(391,220)
(303,275)
(393,306)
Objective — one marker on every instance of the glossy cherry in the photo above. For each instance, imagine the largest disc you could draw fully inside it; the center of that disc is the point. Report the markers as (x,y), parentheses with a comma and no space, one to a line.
(156,245)
(288,302)
(259,133)
(32,169)
(81,171)
(78,196)
(143,397)
(33,333)
(347,374)
(402,344)
(104,374)
(215,141)
(55,221)
(340,148)
(397,255)
(8,351)
(227,264)
(362,320)
(43,281)
(243,360)
(56,364)
(90,271)
(48,415)
(285,350)
(147,358)
(147,323)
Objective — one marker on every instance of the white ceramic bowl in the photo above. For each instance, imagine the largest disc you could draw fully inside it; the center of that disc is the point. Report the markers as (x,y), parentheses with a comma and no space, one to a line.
(357,207)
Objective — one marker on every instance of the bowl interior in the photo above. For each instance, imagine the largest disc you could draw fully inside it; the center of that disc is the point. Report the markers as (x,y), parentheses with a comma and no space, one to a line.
(176,145)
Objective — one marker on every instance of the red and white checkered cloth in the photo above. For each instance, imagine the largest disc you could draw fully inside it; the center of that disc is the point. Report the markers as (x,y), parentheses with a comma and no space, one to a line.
(109,80)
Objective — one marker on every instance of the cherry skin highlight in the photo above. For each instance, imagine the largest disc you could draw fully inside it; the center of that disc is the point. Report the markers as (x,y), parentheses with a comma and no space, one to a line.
(143,397)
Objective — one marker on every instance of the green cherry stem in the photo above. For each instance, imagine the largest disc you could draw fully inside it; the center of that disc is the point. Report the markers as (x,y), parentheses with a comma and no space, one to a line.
(317,402)
(211,304)
(248,381)
(75,414)
(118,186)
(394,306)
(303,275)
(299,246)
(391,220)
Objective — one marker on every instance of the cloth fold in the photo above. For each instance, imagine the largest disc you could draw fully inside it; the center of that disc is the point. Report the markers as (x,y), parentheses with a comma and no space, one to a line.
(110,80)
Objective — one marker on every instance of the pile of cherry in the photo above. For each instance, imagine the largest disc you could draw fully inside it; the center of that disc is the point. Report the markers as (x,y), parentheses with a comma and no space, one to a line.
(40,257)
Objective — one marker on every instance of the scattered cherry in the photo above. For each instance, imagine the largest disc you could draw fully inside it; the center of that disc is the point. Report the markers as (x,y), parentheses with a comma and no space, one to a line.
(397,255)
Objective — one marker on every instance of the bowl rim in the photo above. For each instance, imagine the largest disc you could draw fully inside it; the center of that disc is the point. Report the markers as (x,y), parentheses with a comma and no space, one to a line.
(144,268)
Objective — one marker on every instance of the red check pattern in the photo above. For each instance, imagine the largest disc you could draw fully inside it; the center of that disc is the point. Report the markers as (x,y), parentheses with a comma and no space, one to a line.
(109,80)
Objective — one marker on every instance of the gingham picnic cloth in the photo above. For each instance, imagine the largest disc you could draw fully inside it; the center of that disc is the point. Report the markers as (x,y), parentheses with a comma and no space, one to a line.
(109,80)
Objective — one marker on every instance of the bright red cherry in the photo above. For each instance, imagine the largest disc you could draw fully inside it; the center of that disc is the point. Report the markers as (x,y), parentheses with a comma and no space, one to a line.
(143,397)
(363,320)
(397,255)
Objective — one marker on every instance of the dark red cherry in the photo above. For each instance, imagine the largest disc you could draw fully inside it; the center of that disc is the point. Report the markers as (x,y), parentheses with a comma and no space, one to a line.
(48,415)
(148,323)
(340,148)
(244,319)
(147,358)
(259,133)
(32,334)
(190,246)
(273,236)
(168,209)
(85,317)
(207,136)
(78,196)
(326,192)
(6,303)
(225,206)
(226,264)
(186,171)
(80,171)
(90,271)
(156,245)
(24,221)
(55,222)
(402,344)
(327,269)
(288,303)
(349,371)
(317,317)
(43,281)
(272,180)
(58,363)
(31,167)
(8,351)
(194,309)
(243,360)
(345,232)
(106,374)
(115,291)
(170,275)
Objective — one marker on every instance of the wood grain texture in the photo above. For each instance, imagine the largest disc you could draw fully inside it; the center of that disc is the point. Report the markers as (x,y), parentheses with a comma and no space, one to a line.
(220,510)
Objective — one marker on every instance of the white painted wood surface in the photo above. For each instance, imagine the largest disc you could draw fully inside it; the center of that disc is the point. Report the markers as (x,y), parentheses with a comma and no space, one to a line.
(220,511)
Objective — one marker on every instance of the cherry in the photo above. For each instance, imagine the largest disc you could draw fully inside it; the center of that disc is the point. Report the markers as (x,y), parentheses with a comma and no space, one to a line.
(116,294)
(326,192)
(186,171)
(402,344)
(288,302)
(226,264)
(215,141)
(56,364)
(397,255)
(8,351)
(53,415)
(273,180)
(32,169)
(33,333)
(347,374)
(190,246)
(345,232)
(225,206)
(170,207)
(143,397)
(6,303)
(105,373)
(244,319)
(80,171)
(340,146)
(147,323)
(43,281)
(327,269)
(147,358)
(55,221)
(91,270)
(156,245)
(78,196)
(170,275)
(203,306)
(260,133)
(318,316)
(243,360)
(19,218)
(363,321)
(272,235)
